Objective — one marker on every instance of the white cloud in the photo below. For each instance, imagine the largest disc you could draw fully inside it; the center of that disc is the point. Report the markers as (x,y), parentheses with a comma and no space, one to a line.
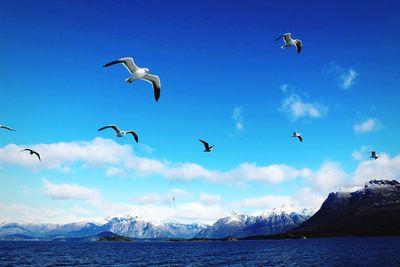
(369,125)
(274,174)
(119,159)
(329,177)
(382,168)
(264,202)
(209,199)
(146,148)
(70,191)
(294,107)
(347,79)
(148,199)
(62,155)
(25,213)
(304,198)
(237,117)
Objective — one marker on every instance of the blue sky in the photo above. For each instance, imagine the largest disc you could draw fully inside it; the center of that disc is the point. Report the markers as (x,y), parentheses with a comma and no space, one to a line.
(214,60)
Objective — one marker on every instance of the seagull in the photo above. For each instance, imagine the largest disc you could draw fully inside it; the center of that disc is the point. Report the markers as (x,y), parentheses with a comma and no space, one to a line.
(32,152)
(119,132)
(296,134)
(207,147)
(173,198)
(374,155)
(7,128)
(287,38)
(138,74)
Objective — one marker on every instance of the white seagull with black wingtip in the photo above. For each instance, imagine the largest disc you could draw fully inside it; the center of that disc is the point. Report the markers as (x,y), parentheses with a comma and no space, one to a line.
(296,134)
(138,74)
(7,128)
(374,155)
(207,147)
(287,38)
(119,132)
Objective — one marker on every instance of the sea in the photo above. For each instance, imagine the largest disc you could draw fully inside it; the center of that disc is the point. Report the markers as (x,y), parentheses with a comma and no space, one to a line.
(349,251)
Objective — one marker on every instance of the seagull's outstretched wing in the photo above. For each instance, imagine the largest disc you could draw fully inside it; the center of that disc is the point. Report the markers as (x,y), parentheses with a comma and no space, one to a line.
(37,154)
(127,61)
(113,126)
(287,37)
(373,154)
(7,128)
(206,145)
(300,138)
(277,39)
(26,149)
(299,46)
(134,135)
(155,81)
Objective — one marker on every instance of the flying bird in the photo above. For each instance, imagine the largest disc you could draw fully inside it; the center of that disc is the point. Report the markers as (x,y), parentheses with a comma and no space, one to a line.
(173,198)
(7,128)
(296,134)
(207,147)
(119,132)
(138,74)
(32,152)
(287,38)
(374,155)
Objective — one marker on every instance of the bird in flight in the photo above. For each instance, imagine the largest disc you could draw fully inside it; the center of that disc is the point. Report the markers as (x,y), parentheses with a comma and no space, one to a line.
(287,38)
(138,74)
(119,132)
(173,198)
(296,134)
(374,155)
(32,152)
(207,147)
(7,128)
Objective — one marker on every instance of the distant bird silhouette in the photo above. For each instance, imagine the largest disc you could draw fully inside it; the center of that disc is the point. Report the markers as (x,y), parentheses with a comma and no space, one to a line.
(287,38)
(121,133)
(207,147)
(7,128)
(374,155)
(296,134)
(139,74)
(173,198)
(32,152)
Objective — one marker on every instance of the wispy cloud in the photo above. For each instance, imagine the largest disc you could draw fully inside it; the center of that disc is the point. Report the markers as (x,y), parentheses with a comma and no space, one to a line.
(360,154)
(209,199)
(294,107)
(369,125)
(238,119)
(345,77)
(69,191)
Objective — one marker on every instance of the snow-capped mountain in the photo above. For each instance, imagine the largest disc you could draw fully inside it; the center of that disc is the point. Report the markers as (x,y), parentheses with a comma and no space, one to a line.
(370,210)
(134,227)
(273,221)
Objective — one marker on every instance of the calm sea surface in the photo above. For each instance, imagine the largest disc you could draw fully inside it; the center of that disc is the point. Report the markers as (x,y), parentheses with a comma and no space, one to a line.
(364,251)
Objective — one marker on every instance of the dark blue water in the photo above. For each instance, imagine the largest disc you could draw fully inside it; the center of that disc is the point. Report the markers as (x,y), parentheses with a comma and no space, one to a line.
(364,251)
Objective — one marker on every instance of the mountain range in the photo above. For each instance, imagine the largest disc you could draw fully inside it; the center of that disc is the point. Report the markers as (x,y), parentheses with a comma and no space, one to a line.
(279,220)
(370,210)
